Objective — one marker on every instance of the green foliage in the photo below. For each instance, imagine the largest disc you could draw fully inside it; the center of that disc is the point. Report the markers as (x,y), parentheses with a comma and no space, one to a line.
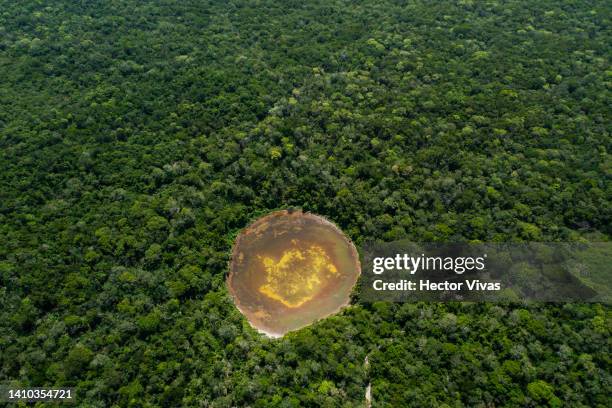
(77,360)
(137,138)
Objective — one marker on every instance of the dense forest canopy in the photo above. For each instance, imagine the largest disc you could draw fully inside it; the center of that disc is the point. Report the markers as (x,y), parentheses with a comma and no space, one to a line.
(138,137)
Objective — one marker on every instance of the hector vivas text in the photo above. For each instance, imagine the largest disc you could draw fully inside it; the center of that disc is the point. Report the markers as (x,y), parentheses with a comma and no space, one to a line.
(414,264)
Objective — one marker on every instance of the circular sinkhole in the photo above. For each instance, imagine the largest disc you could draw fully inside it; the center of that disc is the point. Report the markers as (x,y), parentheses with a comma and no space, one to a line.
(289,269)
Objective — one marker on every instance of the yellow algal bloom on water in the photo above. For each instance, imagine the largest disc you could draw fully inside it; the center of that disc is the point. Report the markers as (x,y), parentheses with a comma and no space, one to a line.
(297,276)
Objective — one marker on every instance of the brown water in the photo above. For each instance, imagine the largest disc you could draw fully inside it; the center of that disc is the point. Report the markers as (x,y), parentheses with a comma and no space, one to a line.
(290,269)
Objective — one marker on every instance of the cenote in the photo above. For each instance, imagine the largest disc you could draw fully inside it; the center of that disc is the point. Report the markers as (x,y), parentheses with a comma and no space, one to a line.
(289,269)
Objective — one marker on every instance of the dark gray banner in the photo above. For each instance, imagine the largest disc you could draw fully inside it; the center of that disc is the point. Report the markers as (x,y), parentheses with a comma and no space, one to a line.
(494,272)
(14,392)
